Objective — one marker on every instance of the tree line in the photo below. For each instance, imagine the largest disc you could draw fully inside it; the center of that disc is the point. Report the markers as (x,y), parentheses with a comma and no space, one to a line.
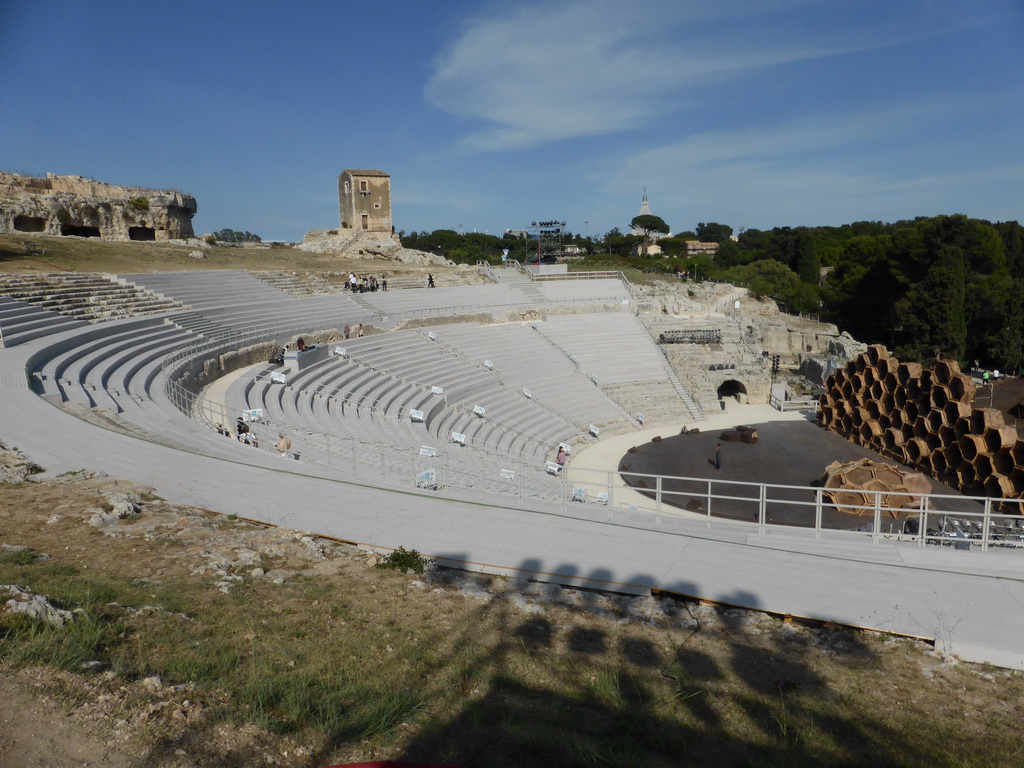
(933,287)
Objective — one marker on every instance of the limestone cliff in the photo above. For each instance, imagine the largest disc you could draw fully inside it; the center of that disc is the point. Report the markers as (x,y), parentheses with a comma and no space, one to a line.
(367,245)
(73,205)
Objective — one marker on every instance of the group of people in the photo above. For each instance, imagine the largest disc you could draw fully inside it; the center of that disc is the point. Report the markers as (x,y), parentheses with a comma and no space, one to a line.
(366,283)
(245,435)
(242,433)
(347,331)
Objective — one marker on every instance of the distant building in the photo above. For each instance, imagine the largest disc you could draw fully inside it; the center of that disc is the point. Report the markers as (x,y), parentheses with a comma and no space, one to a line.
(697,248)
(364,198)
(637,249)
(645,210)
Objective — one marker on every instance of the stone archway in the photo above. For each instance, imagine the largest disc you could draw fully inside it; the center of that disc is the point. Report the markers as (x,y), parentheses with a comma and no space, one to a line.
(732,388)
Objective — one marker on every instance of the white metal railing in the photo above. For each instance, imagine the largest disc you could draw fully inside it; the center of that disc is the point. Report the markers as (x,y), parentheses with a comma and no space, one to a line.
(803,404)
(963,522)
(607,275)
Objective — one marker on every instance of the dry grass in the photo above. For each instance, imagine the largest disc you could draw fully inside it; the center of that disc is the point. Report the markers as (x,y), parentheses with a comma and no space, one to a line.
(94,255)
(344,662)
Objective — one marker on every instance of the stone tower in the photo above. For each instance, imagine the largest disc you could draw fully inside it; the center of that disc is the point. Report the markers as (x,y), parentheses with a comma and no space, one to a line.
(364,198)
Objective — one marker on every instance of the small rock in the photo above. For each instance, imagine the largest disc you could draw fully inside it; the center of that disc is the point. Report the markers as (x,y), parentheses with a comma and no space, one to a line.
(99,517)
(153,683)
(36,607)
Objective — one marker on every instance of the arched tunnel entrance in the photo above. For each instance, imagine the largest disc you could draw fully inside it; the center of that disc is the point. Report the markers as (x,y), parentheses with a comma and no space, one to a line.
(732,388)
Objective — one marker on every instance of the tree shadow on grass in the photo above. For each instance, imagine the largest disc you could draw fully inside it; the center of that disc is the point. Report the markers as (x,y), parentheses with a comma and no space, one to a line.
(562,694)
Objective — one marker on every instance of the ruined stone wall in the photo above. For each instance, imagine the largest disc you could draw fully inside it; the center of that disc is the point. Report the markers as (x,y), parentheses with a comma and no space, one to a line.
(73,205)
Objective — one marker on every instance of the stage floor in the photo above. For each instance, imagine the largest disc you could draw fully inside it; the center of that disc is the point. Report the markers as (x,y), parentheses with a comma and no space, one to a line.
(786,453)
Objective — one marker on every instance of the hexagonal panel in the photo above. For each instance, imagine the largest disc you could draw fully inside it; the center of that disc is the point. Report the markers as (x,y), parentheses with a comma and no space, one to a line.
(961,388)
(999,486)
(962,427)
(1002,461)
(876,352)
(982,466)
(983,418)
(939,396)
(946,435)
(999,437)
(917,449)
(1017,451)
(911,412)
(971,446)
(956,410)
(953,455)
(965,476)
(907,372)
(946,370)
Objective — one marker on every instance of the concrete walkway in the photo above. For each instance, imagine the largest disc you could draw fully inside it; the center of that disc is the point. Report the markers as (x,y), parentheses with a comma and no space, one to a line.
(971,604)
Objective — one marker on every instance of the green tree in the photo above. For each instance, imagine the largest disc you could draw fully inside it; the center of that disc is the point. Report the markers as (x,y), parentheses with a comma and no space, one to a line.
(647,224)
(808,266)
(231,236)
(712,232)
(935,325)
(729,254)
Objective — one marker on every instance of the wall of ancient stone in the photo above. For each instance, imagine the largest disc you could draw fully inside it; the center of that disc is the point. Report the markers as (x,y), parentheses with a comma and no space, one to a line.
(73,205)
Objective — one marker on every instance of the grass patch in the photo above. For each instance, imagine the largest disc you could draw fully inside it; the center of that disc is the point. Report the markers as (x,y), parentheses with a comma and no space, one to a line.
(404,560)
(17,557)
(285,701)
(89,637)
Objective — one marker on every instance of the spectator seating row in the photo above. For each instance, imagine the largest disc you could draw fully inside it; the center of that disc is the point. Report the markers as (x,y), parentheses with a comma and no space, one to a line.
(366,396)
(35,305)
(21,322)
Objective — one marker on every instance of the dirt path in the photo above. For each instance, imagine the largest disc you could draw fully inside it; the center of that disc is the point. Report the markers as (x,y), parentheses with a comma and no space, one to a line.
(35,732)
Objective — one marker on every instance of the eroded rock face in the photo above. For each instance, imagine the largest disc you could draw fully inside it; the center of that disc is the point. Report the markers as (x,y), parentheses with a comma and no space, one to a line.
(367,245)
(72,205)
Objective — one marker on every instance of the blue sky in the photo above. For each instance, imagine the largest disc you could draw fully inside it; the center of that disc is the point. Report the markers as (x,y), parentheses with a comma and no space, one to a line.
(489,115)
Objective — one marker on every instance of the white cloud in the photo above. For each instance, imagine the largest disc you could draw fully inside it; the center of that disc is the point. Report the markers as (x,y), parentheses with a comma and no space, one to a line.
(832,170)
(539,73)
